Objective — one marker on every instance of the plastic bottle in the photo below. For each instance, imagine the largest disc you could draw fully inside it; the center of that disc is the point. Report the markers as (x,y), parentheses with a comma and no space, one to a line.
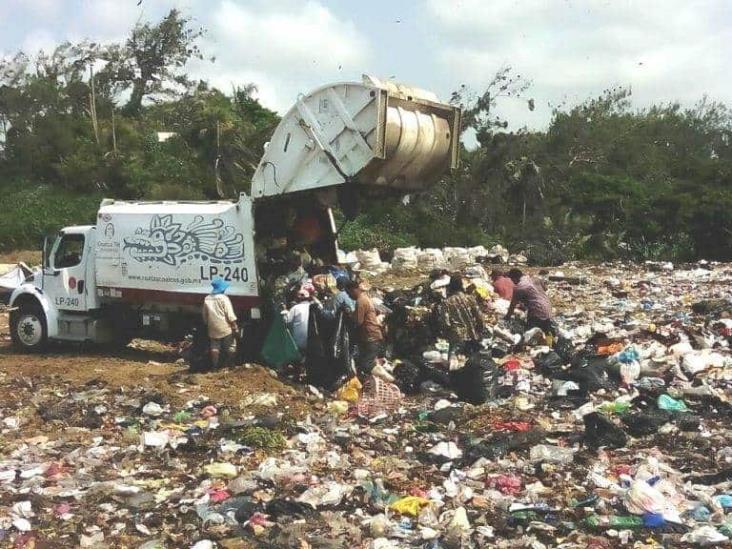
(613,521)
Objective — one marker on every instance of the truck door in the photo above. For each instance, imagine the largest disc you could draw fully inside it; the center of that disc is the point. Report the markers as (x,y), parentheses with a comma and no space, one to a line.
(65,279)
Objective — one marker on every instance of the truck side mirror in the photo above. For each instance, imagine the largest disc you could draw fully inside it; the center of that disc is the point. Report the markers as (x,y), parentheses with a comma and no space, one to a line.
(45,259)
(44,256)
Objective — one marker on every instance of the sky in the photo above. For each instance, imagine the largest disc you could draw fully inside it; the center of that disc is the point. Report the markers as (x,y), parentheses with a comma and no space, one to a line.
(570,50)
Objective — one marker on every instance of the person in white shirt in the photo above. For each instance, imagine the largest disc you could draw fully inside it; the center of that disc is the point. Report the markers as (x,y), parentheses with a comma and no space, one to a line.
(297,319)
(220,320)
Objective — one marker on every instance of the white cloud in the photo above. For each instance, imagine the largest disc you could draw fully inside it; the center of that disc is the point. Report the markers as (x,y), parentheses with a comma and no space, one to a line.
(104,20)
(664,50)
(40,10)
(571,49)
(39,39)
(284,47)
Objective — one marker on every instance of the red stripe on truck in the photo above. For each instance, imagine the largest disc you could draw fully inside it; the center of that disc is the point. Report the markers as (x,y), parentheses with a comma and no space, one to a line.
(138,295)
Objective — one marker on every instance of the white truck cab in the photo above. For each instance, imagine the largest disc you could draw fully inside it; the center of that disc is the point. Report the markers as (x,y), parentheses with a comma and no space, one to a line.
(47,305)
(69,274)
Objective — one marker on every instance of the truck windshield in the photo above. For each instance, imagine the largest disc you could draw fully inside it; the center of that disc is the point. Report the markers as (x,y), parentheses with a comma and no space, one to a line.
(69,251)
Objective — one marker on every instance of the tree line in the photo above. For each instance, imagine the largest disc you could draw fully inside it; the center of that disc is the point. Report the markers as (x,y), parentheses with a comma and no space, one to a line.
(603,181)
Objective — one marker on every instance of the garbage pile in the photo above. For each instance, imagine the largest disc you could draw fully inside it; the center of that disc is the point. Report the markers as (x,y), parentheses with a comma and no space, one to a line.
(12,275)
(428,259)
(616,434)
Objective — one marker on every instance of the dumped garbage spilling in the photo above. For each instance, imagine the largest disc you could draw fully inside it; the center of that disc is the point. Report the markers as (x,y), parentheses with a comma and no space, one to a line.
(613,431)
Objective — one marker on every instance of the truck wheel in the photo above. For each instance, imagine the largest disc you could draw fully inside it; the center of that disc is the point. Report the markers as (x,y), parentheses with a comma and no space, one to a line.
(28,328)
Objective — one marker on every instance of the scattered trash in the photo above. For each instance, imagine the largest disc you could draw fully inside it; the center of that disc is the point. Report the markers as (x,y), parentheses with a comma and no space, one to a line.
(410,505)
(613,433)
(665,402)
(350,391)
(152,409)
(221,470)
(267,400)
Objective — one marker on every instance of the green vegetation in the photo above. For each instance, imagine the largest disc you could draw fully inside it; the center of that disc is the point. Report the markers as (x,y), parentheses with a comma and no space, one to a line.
(29,212)
(263,439)
(603,181)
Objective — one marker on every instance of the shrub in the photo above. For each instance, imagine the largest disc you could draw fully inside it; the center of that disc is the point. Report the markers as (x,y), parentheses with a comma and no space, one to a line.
(33,211)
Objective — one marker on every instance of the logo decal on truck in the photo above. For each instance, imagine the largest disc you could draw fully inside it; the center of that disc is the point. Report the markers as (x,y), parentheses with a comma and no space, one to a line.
(167,242)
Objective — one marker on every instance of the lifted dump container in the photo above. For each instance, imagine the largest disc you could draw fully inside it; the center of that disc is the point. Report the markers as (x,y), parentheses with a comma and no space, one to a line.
(368,134)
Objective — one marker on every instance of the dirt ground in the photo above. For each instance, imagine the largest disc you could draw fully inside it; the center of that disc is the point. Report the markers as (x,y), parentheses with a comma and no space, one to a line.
(146,363)
(29,257)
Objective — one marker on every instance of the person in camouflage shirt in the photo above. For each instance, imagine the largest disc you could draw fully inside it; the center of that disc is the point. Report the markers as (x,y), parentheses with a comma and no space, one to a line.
(458,318)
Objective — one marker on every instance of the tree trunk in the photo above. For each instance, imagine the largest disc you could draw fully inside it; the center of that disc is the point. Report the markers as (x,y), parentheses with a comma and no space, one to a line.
(114,134)
(93,105)
(138,91)
(523,214)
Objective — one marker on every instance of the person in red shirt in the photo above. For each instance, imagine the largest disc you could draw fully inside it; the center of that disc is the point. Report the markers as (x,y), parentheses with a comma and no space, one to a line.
(502,285)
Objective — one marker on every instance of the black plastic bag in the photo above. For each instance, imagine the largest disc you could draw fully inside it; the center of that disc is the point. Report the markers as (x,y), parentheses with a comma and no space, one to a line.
(564,348)
(407,377)
(340,345)
(549,362)
(600,431)
(290,508)
(472,382)
(640,424)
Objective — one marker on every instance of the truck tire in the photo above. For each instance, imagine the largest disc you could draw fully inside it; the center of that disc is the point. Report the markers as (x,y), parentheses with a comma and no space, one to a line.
(28,329)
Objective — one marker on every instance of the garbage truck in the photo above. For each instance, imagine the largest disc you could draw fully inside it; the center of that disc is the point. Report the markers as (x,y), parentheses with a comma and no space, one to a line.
(144,268)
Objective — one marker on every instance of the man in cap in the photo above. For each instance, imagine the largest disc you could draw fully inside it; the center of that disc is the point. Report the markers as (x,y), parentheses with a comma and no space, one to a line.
(220,321)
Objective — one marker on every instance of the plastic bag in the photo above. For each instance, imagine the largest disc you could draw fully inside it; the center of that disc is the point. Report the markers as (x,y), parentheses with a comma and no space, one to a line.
(510,485)
(279,348)
(338,407)
(447,450)
(665,402)
(629,371)
(410,505)
(221,470)
(328,494)
(643,498)
(408,377)
(472,382)
(350,391)
(551,454)
(601,432)
(340,345)
(705,535)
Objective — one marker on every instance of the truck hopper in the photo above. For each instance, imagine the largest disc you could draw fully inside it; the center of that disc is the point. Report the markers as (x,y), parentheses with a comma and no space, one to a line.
(365,136)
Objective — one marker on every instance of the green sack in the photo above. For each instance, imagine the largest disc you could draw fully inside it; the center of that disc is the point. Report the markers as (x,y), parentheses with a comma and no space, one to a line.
(279,348)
